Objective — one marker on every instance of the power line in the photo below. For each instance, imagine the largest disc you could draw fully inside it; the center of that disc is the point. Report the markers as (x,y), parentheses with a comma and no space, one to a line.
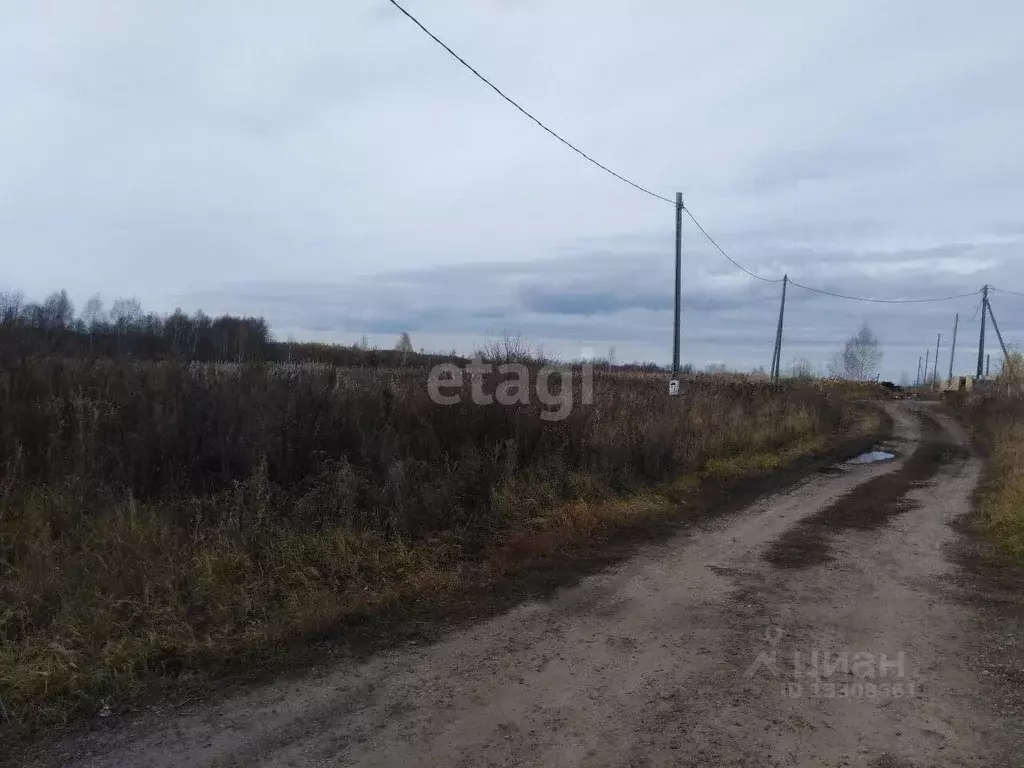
(976,310)
(722,251)
(646,191)
(1003,290)
(881,301)
(820,290)
(817,290)
(572,146)
(498,91)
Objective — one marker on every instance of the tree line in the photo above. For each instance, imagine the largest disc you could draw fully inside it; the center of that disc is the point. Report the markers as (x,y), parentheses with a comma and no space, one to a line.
(52,327)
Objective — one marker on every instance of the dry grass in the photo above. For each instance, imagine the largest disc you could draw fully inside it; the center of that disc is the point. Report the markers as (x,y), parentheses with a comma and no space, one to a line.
(159,520)
(998,423)
(93,614)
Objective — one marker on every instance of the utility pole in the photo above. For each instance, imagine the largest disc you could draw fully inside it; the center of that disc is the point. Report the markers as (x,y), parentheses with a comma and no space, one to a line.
(1007,360)
(927,357)
(917,381)
(981,338)
(988,361)
(777,353)
(679,293)
(952,352)
(999,336)
(935,370)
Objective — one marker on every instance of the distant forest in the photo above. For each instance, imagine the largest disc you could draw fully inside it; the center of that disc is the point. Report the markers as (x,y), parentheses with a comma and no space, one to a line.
(53,328)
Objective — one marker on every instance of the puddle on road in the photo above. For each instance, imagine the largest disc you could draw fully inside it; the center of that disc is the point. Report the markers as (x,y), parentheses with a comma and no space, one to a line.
(867,506)
(871,457)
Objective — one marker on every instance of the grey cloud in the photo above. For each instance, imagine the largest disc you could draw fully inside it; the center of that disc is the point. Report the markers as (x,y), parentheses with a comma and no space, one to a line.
(327,166)
(627,302)
(594,303)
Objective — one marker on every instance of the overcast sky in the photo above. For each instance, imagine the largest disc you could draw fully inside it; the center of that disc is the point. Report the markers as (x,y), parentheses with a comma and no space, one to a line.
(329,167)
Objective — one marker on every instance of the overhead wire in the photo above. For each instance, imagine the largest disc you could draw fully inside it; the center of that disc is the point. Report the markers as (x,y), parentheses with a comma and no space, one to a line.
(1004,290)
(722,251)
(820,290)
(882,301)
(976,310)
(515,104)
(651,193)
(572,146)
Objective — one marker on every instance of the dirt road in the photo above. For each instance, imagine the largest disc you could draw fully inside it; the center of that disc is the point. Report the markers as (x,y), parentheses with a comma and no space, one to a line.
(833,625)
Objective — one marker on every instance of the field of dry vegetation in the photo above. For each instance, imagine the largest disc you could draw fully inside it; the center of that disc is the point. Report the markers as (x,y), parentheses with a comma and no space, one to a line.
(998,424)
(159,518)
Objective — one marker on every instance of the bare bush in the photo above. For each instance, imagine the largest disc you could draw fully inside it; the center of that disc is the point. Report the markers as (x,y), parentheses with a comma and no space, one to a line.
(801,369)
(512,348)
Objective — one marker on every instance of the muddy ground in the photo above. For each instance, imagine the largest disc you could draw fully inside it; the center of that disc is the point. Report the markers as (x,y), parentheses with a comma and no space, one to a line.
(848,621)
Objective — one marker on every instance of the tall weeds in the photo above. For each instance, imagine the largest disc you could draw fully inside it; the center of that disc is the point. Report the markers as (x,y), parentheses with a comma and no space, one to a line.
(998,422)
(161,517)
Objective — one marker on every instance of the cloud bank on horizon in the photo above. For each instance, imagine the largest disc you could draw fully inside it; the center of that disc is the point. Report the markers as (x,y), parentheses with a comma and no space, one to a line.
(329,167)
